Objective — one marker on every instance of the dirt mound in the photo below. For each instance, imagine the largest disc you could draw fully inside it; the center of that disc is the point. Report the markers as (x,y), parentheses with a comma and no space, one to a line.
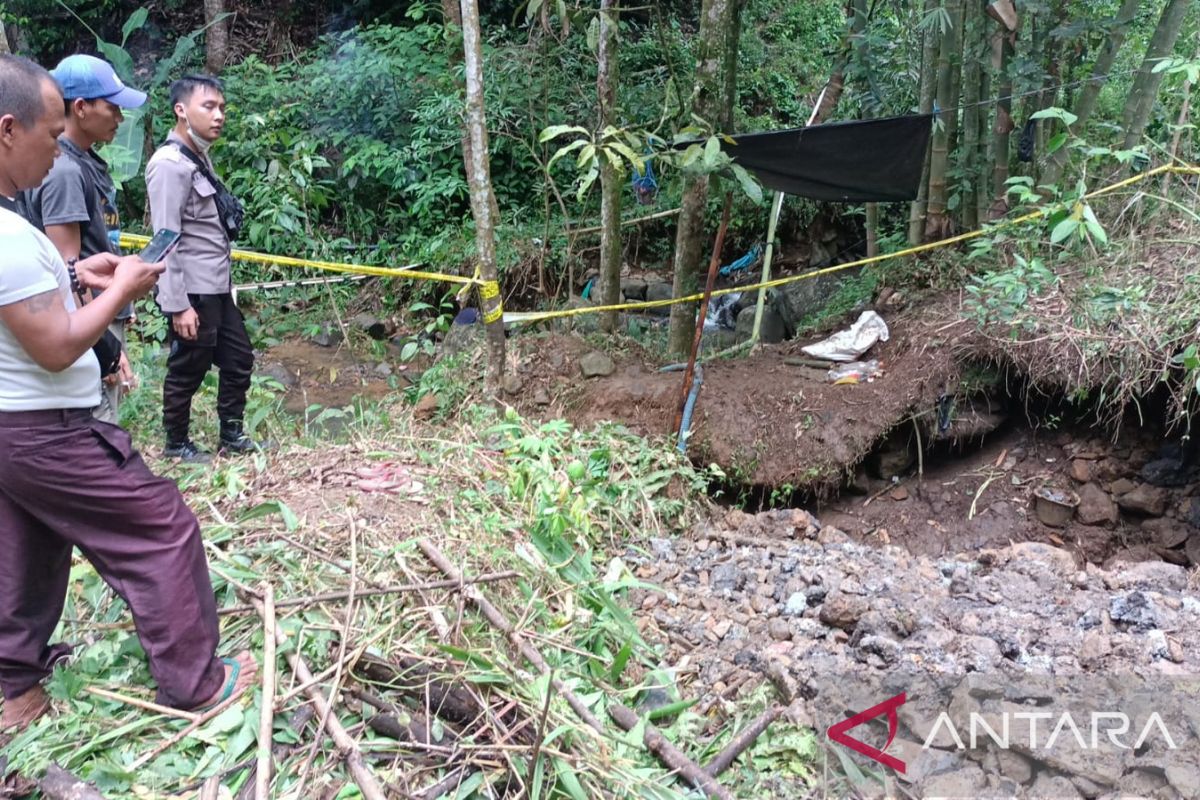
(842,626)
(763,420)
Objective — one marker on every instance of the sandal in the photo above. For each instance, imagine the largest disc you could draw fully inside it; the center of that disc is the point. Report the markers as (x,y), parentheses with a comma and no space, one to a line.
(235,669)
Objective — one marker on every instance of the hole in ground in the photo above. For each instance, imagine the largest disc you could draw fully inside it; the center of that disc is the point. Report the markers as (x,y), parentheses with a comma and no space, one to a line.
(1137,491)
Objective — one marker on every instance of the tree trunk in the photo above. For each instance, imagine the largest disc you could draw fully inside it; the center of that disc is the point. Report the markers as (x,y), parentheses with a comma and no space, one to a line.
(916,217)
(1091,90)
(4,48)
(1140,102)
(483,200)
(610,175)
(689,235)
(937,223)
(733,36)
(968,154)
(216,37)
(452,19)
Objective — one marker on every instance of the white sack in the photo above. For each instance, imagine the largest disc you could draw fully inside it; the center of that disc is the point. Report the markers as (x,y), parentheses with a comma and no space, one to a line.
(851,343)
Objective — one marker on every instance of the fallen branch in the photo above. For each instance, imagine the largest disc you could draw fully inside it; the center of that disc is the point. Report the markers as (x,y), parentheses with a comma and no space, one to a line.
(491,577)
(451,703)
(451,781)
(266,721)
(724,759)
(657,744)
(300,717)
(494,616)
(62,785)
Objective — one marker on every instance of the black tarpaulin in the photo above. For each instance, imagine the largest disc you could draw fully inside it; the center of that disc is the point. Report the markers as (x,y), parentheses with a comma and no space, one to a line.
(874,160)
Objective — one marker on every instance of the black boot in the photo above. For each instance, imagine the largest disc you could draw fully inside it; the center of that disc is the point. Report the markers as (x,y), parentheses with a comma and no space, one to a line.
(234,440)
(185,450)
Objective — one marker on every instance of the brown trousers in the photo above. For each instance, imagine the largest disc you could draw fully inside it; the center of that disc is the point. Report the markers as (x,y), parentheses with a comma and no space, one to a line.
(66,480)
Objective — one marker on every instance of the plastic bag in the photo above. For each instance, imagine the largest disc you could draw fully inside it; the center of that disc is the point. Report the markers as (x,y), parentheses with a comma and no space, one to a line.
(851,343)
(857,372)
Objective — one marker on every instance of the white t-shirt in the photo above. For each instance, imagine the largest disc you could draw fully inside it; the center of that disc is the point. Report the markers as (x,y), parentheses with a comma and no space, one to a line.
(29,265)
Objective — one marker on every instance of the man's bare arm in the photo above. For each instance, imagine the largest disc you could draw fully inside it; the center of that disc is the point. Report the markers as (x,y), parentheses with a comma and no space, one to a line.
(53,337)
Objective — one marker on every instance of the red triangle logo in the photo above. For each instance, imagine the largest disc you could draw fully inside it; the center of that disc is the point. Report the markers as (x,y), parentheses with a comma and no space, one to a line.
(837,733)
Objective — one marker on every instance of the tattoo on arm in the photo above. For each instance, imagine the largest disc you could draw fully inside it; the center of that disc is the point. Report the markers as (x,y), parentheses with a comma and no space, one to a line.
(40,303)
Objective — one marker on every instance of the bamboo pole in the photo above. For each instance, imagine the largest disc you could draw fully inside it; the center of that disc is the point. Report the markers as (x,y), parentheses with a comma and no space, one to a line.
(670,755)
(266,722)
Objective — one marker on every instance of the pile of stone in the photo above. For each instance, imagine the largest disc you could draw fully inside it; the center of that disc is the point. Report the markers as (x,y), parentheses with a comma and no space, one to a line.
(838,626)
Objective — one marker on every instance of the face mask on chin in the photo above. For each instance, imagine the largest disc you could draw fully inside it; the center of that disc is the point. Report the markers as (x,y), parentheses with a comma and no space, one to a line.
(200,144)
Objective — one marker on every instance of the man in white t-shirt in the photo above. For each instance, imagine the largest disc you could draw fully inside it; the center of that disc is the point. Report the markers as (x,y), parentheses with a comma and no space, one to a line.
(68,480)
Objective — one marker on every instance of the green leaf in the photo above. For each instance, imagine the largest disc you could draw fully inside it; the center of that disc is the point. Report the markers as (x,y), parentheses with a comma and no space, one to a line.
(562,151)
(568,780)
(1063,230)
(619,662)
(712,152)
(1055,113)
(1093,225)
(555,131)
(1056,142)
(409,350)
(117,56)
(748,183)
(136,20)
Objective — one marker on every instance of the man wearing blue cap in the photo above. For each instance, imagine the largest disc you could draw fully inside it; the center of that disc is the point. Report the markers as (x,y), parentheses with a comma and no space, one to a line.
(76,204)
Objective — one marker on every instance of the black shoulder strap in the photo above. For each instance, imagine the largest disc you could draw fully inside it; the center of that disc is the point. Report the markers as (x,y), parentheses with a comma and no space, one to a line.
(197,160)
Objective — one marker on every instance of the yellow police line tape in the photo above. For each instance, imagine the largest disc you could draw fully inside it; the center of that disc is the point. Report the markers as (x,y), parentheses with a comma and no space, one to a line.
(490,290)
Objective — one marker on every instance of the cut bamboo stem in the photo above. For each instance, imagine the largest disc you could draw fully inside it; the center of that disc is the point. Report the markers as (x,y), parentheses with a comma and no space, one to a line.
(724,759)
(666,752)
(183,734)
(497,619)
(145,705)
(367,784)
(266,721)
(62,785)
(491,577)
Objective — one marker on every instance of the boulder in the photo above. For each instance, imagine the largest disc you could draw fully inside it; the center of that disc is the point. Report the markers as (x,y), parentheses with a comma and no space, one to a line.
(1095,506)
(659,291)
(634,290)
(595,364)
(1081,470)
(772,330)
(1145,499)
(841,610)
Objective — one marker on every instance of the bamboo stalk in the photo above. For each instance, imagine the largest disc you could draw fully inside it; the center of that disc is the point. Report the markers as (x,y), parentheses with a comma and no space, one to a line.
(183,734)
(366,782)
(724,759)
(494,616)
(636,220)
(671,756)
(490,577)
(145,705)
(266,722)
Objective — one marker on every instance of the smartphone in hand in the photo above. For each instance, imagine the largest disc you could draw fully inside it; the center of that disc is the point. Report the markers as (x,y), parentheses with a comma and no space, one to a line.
(160,245)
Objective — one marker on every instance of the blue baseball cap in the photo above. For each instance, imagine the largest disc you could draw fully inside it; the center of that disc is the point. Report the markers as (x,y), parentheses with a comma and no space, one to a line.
(91,78)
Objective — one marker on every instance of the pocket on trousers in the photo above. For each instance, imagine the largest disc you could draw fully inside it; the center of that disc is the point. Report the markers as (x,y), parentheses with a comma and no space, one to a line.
(115,441)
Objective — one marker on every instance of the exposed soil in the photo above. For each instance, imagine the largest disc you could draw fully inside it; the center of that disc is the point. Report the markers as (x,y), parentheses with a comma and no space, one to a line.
(327,376)
(763,420)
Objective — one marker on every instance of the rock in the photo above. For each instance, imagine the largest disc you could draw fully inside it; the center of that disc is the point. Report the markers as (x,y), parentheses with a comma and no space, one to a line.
(1095,506)
(426,407)
(778,629)
(541,397)
(1095,647)
(659,291)
(373,326)
(772,330)
(1061,560)
(1192,513)
(964,782)
(461,339)
(1135,609)
(513,384)
(383,369)
(1015,766)
(277,371)
(1184,777)
(831,535)
(328,336)
(1167,532)
(797,603)
(633,289)
(1148,500)
(841,610)
(1059,787)
(899,494)
(596,365)
(662,549)
(1121,486)
(727,577)
(1081,470)
(1166,472)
